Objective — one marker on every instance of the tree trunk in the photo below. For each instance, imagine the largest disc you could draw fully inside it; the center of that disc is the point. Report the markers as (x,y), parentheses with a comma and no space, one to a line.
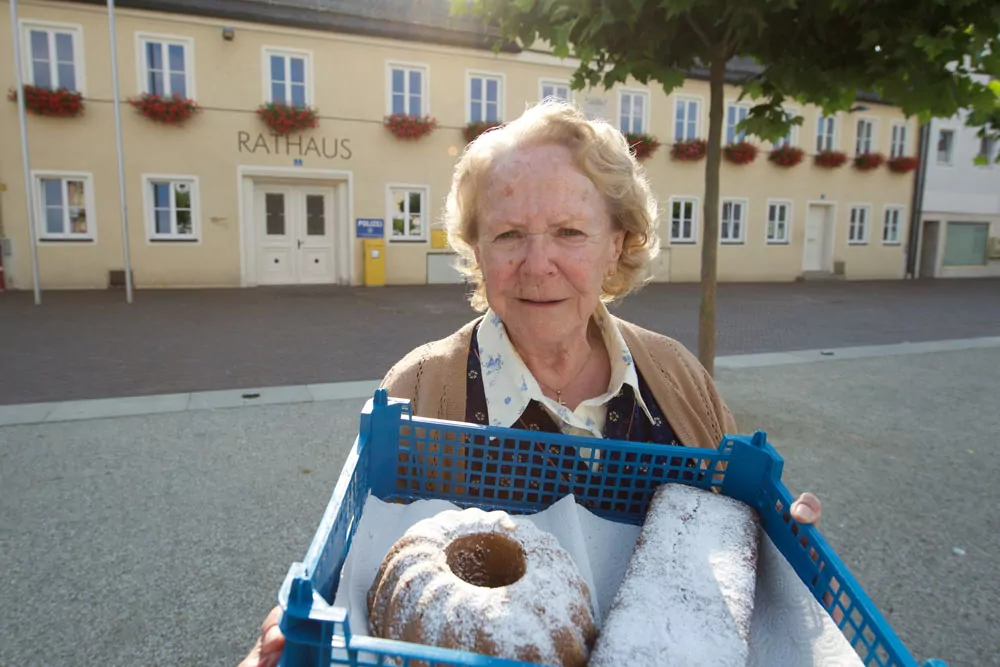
(710,237)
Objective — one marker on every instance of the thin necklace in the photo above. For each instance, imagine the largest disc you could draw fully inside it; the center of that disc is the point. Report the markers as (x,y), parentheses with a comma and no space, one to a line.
(570,381)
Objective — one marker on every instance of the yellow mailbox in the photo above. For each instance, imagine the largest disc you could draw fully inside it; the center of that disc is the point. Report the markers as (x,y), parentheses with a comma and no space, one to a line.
(374,262)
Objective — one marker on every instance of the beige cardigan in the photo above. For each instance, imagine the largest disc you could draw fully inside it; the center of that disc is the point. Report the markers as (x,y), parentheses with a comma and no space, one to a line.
(433,377)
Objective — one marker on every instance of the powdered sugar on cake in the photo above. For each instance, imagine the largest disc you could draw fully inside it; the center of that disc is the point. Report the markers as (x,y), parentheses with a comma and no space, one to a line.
(526,620)
(687,596)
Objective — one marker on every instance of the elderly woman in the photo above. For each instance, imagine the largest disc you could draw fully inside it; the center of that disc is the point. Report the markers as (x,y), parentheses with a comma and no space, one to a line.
(554,218)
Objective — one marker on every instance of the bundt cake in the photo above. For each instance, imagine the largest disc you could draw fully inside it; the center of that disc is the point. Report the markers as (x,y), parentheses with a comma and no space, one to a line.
(477,581)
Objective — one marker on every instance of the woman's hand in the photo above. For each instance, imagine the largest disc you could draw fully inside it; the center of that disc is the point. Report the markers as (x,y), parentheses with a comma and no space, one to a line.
(806,508)
(267,651)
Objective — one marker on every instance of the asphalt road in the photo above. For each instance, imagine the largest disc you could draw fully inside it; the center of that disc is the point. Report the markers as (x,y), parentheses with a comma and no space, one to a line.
(162,540)
(80,345)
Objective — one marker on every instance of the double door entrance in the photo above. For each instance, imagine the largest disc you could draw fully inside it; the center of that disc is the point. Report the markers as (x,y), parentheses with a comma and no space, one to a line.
(295,229)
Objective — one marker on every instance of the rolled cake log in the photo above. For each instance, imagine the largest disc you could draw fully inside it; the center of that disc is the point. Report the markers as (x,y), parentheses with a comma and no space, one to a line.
(687,596)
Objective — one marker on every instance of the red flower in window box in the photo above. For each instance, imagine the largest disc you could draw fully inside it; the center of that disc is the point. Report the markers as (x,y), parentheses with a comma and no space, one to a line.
(830,159)
(287,118)
(475,128)
(44,102)
(786,156)
(689,151)
(172,110)
(903,164)
(644,145)
(741,153)
(868,161)
(405,126)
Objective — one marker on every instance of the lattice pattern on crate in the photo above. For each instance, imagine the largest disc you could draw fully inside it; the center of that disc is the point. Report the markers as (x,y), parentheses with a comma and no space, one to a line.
(517,473)
(335,550)
(825,580)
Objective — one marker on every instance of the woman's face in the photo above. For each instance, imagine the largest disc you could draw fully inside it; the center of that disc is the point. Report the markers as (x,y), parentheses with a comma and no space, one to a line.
(545,244)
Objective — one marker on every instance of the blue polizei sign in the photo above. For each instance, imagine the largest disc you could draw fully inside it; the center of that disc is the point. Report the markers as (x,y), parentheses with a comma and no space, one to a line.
(370,228)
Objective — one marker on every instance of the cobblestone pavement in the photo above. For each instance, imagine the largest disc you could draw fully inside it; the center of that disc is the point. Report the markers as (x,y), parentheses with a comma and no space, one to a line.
(92,344)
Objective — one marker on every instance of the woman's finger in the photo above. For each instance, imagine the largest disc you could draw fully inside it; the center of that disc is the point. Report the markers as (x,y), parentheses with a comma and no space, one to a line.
(270,631)
(807,508)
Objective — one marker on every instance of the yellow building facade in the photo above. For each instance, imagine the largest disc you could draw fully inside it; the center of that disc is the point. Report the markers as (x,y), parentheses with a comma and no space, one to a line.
(221,201)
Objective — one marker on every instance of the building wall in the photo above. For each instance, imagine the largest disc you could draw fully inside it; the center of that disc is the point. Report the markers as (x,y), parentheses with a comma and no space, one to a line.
(352,150)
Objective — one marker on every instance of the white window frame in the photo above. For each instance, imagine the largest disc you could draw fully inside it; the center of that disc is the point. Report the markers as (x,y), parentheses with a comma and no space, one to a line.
(873,141)
(834,139)
(744,209)
(899,223)
(548,81)
(147,200)
(646,115)
(903,145)
(267,51)
(695,213)
(501,92)
(866,230)
(89,199)
(725,123)
(793,131)
(950,162)
(425,84)
(425,214)
(789,209)
(142,64)
(698,100)
(79,65)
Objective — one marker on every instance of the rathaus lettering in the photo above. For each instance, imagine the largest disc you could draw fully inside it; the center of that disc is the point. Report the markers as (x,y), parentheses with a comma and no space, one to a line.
(297,146)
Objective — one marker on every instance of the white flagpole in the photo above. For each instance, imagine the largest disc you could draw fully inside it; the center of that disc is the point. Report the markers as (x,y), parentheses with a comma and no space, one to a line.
(121,161)
(25,157)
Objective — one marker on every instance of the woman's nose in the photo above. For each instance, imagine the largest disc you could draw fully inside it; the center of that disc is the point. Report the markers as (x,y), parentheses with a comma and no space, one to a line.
(538,256)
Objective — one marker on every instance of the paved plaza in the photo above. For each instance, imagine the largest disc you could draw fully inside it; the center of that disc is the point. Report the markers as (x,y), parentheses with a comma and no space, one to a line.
(162,539)
(92,344)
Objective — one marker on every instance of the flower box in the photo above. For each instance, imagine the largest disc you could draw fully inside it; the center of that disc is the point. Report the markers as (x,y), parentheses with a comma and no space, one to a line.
(741,153)
(475,128)
(786,156)
(172,110)
(903,164)
(644,145)
(287,118)
(59,103)
(830,159)
(405,126)
(689,151)
(868,161)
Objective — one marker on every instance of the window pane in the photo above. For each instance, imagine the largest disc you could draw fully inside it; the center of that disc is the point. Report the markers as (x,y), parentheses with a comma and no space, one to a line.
(477,88)
(298,70)
(398,81)
(492,112)
(161,195)
(965,244)
(399,203)
(416,87)
(315,215)
(64,47)
(398,103)
(298,95)
(415,107)
(78,220)
(156,86)
(547,91)
(278,93)
(476,112)
(184,225)
(274,207)
(492,90)
(178,84)
(39,45)
(154,55)
(52,192)
(75,193)
(182,196)
(415,229)
(176,56)
(675,228)
(626,113)
(161,220)
(277,68)
(67,76)
(53,219)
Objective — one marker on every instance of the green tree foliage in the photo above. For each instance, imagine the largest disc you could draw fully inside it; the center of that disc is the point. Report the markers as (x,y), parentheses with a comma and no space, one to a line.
(929,57)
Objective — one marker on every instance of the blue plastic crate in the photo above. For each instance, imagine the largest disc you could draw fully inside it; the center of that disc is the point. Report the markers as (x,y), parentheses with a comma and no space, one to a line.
(400,458)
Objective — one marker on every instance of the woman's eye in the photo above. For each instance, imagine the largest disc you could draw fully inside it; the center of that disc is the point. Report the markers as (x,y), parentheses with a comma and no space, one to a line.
(512,234)
(569,231)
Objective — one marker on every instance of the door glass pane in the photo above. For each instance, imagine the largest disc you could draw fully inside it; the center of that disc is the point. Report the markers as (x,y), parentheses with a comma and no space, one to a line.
(275,213)
(315,215)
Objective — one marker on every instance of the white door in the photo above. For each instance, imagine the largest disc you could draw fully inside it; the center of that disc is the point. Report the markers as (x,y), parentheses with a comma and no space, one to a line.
(814,253)
(295,235)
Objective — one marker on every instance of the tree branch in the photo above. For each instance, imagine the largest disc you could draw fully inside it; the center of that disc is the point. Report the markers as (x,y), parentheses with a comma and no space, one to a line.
(698,31)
